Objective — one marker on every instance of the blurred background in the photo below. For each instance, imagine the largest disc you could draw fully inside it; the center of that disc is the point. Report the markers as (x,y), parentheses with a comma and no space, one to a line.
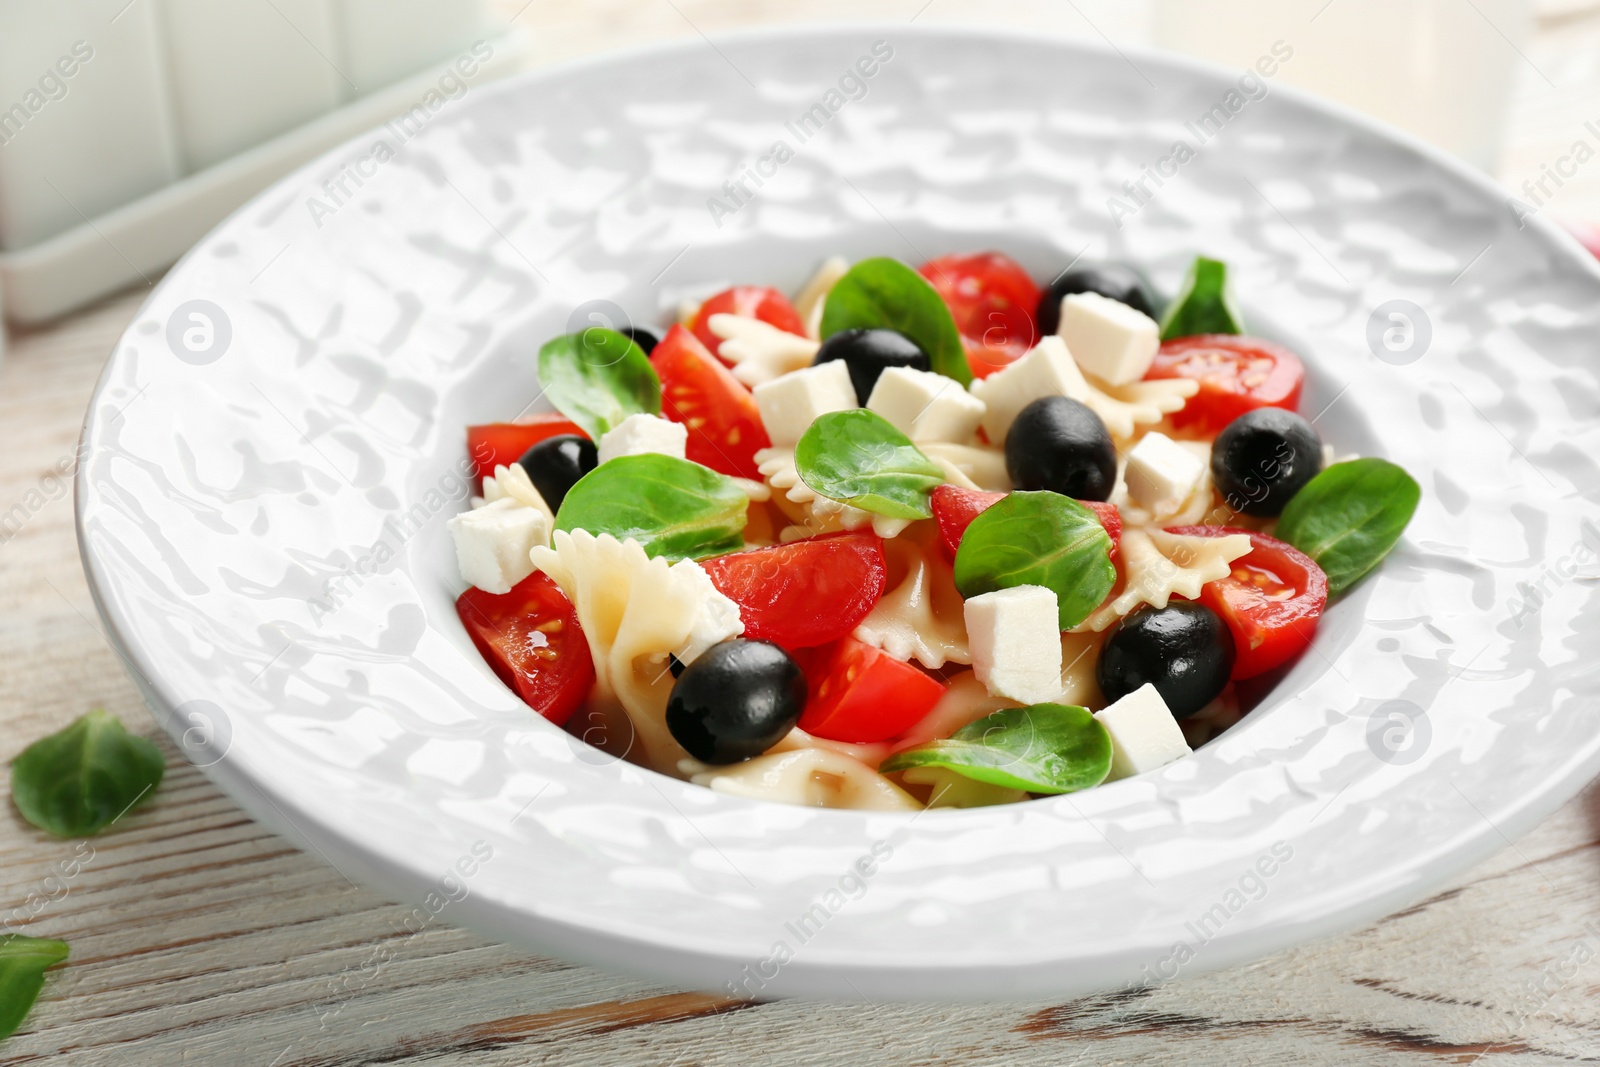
(128,128)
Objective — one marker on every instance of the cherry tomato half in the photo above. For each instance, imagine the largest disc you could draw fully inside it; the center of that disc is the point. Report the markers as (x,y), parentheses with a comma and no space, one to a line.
(725,430)
(1271,601)
(862,694)
(531,638)
(954,509)
(992,300)
(1236,375)
(804,593)
(500,444)
(752,301)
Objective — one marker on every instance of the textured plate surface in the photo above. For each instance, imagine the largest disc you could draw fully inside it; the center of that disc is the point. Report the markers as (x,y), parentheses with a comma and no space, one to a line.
(263,521)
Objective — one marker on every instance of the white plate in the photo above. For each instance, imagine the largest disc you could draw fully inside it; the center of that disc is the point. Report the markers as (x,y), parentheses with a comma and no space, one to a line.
(233,503)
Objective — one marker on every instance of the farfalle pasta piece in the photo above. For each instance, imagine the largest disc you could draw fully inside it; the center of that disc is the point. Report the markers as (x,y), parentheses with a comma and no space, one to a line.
(758,350)
(1158,564)
(812,514)
(811,777)
(920,617)
(511,480)
(970,466)
(813,295)
(1124,407)
(635,611)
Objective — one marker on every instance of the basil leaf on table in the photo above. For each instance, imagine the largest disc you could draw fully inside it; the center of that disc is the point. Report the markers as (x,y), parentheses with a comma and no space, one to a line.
(23,961)
(81,780)
(597,377)
(1348,517)
(883,293)
(1204,304)
(1045,748)
(672,507)
(1039,538)
(859,458)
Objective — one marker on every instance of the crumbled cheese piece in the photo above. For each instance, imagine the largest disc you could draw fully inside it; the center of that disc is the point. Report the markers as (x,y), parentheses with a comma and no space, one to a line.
(1109,339)
(926,406)
(758,350)
(493,542)
(1015,639)
(1144,735)
(1048,370)
(638,434)
(1161,473)
(715,618)
(790,404)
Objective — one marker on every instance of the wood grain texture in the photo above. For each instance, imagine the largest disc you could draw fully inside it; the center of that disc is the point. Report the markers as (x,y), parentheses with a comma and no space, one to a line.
(198,937)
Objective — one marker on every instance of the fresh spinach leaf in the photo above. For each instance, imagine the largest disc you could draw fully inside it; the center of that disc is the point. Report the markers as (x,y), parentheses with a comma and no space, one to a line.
(883,293)
(83,779)
(23,961)
(1204,304)
(672,507)
(1045,748)
(597,377)
(859,458)
(1043,539)
(1348,517)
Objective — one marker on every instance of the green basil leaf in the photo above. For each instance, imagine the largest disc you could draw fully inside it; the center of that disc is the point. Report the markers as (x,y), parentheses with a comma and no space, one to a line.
(672,507)
(597,377)
(1204,304)
(885,293)
(83,779)
(23,961)
(859,458)
(1348,517)
(1043,539)
(1046,748)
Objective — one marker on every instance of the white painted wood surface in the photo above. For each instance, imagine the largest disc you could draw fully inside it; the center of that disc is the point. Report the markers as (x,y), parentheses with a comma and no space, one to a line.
(198,937)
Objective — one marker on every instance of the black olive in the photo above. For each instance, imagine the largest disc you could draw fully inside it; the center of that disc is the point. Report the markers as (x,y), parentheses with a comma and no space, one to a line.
(1057,443)
(1263,458)
(1109,279)
(645,339)
(1183,649)
(555,464)
(868,353)
(735,701)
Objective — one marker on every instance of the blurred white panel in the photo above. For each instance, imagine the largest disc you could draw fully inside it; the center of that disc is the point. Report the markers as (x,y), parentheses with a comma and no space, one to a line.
(386,40)
(83,116)
(244,71)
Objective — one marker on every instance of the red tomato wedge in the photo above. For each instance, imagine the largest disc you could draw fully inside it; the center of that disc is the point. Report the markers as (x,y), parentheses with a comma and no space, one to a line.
(500,444)
(724,423)
(1236,375)
(531,638)
(752,301)
(954,509)
(804,593)
(861,694)
(992,300)
(1271,601)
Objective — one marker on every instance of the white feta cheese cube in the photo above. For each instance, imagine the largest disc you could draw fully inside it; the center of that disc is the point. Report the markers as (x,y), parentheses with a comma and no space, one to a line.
(1161,473)
(493,542)
(791,403)
(1109,339)
(716,618)
(926,406)
(1048,370)
(1144,735)
(1015,639)
(638,434)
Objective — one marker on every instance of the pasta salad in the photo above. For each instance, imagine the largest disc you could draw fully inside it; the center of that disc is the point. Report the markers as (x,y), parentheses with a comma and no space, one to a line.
(933,537)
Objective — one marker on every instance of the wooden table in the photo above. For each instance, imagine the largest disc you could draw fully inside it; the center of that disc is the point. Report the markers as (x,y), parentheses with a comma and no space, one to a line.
(199,937)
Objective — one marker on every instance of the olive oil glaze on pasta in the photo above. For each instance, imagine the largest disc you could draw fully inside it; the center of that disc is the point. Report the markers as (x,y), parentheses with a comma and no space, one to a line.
(915,538)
